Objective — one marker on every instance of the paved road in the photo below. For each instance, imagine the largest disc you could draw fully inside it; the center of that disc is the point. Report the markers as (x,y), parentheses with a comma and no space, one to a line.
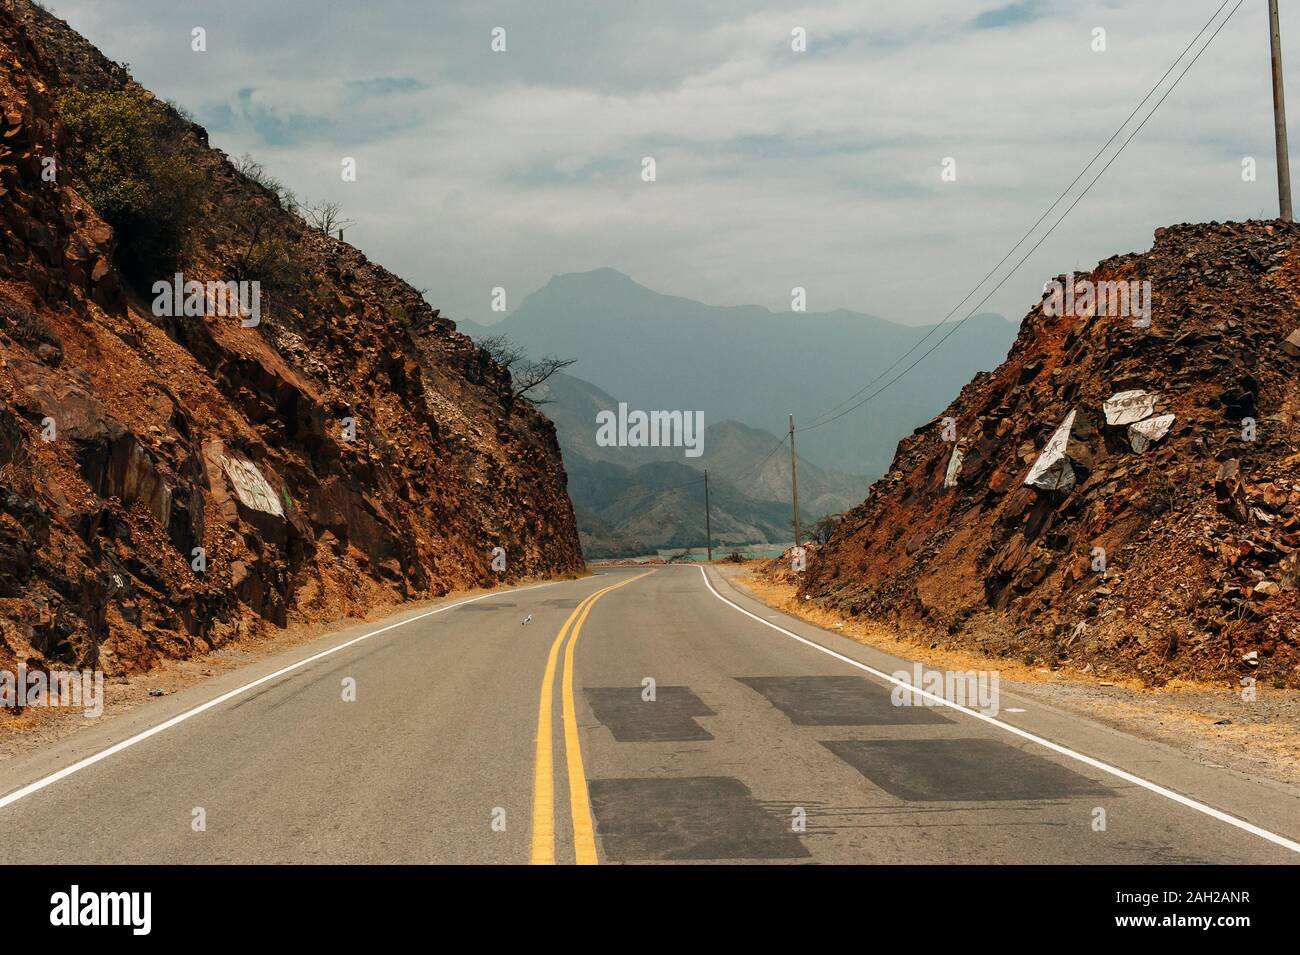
(758,746)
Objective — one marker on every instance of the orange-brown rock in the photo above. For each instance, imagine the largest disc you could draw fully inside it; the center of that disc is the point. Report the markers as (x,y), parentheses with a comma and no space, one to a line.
(130,441)
(1176,544)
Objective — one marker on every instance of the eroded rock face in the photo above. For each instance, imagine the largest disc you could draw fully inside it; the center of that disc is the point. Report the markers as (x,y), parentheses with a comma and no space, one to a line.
(350,451)
(1166,516)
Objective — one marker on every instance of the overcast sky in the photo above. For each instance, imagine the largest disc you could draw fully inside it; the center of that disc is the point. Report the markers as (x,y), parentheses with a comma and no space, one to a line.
(775,168)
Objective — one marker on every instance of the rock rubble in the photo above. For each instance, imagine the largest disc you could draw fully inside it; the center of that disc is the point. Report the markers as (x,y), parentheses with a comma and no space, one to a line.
(1125,498)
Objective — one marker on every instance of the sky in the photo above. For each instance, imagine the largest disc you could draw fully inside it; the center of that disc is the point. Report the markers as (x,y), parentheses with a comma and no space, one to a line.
(774,167)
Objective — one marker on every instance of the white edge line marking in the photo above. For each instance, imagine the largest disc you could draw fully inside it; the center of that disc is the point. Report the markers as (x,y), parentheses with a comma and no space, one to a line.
(1054,747)
(81,764)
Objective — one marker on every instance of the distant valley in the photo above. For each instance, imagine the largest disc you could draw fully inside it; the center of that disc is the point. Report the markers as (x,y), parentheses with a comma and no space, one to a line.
(638,500)
(749,364)
(656,352)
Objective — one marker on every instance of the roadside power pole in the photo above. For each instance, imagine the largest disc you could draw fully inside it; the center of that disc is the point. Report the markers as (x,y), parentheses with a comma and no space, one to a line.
(794,483)
(708,529)
(1279,115)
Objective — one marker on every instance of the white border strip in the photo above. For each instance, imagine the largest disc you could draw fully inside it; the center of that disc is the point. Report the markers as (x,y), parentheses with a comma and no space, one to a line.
(76,767)
(1054,747)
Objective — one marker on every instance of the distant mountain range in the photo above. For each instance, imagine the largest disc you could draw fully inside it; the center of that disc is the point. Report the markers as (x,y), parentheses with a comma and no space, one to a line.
(745,368)
(633,500)
(749,364)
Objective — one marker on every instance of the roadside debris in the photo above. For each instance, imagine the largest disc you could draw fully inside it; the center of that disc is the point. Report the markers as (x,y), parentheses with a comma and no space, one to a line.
(1052,470)
(1230,492)
(1164,510)
(1143,434)
(1128,407)
(1292,344)
(954,467)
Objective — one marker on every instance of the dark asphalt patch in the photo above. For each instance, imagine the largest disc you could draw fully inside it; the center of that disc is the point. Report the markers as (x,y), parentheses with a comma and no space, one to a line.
(960,770)
(562,603)
(493,605)
(838,701)
(670,718)
(697,817)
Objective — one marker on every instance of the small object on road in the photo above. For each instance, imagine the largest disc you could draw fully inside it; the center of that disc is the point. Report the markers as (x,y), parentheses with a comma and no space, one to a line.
(157,692)
(527,620)
(1222,722)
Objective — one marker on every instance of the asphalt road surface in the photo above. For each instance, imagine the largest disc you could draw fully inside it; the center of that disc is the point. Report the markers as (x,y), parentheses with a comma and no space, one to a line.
(643,715)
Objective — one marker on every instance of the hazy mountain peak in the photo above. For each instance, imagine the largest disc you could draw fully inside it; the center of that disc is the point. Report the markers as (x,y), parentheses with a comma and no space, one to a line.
(752,365)
(603,279)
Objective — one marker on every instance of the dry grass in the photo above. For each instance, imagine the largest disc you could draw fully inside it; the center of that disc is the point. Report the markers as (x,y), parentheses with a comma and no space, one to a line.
(914,646)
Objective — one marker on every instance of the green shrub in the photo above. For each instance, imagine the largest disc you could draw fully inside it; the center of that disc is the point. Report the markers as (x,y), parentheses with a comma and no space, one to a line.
(128,165)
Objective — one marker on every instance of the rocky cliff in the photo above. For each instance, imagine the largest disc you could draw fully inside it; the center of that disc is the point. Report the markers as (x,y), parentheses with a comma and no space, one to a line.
(170,481)
(1118,496)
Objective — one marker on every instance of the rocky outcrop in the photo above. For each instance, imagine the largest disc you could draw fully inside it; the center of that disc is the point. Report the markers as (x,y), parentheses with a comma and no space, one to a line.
(1120,495)
(168,483)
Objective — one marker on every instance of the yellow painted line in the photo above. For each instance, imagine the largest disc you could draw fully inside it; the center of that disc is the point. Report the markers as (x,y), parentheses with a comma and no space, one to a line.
(543,843)
(543,852)
(584,832)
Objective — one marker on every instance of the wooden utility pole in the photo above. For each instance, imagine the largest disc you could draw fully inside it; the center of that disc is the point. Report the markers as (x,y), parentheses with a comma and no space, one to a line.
(708,528)
(1279,115)
(794,483)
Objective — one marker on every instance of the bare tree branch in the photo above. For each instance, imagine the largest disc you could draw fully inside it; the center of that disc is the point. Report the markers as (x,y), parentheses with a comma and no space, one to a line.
(533,374)
(503,351)
(327,216)
(825,527)
(525,375)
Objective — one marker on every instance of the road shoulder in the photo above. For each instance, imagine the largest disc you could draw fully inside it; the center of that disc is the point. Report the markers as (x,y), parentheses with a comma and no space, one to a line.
(1266,801)
(53,739)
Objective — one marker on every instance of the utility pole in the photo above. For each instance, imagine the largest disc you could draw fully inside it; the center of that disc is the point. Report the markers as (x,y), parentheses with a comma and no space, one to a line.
(794,483)
(708,529)
(1279,115)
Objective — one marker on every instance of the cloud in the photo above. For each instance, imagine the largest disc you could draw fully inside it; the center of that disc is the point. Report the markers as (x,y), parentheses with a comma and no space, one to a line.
(384,86)
(775,168)
(271,123)
(1010,15)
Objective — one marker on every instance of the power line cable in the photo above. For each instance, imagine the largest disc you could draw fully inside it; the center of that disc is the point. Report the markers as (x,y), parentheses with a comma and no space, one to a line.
(1047,234)
(817,419)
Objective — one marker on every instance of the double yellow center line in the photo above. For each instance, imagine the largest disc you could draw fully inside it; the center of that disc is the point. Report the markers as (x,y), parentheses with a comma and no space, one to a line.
(584,833)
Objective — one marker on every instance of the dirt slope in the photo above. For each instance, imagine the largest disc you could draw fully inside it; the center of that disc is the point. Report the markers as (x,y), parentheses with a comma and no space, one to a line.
(1200,530)
(173,433)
